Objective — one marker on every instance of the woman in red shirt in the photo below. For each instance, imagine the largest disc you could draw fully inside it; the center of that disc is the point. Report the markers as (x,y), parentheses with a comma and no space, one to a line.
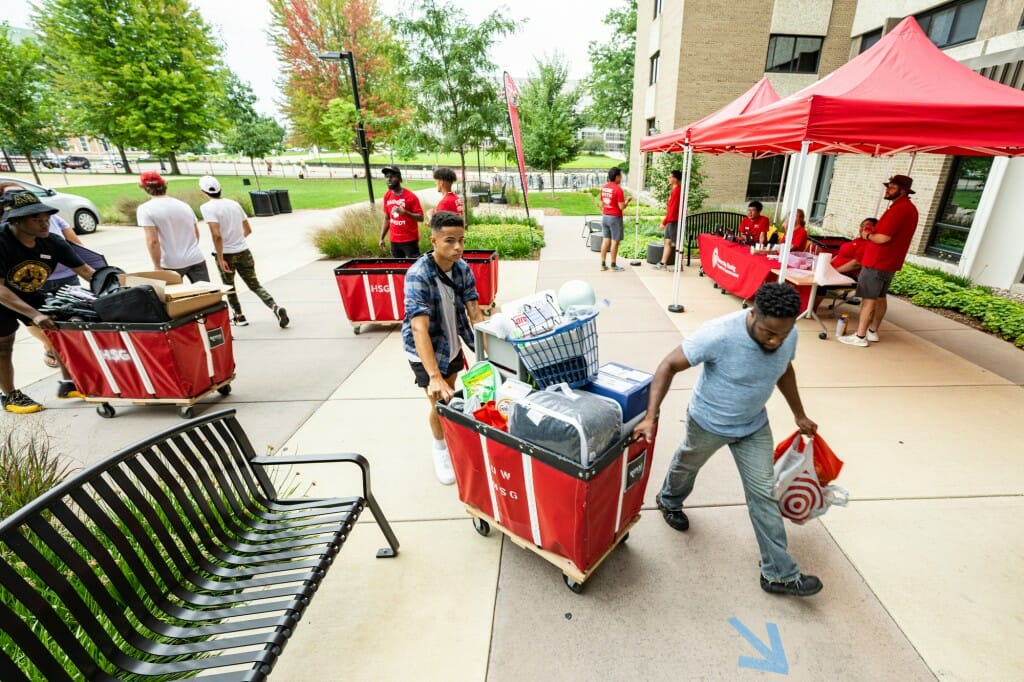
(799,242)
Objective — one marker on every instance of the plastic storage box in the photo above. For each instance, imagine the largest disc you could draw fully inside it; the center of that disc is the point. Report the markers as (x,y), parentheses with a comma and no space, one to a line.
(628,387)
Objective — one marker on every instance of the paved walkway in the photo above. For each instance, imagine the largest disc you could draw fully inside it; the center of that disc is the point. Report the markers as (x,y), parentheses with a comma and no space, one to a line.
(921,571)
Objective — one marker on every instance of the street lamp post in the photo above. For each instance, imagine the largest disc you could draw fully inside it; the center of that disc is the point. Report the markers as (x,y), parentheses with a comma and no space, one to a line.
(360,130)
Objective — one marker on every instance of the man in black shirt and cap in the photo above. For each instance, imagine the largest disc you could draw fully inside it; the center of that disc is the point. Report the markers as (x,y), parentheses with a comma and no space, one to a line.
(27,257)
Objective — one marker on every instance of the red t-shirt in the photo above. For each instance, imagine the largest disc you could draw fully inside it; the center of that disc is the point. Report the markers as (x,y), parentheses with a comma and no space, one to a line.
(611,196)
(450,202)
(851,250)
(672,211)
(899,222)
(755,228)
(403,229)
(799,238)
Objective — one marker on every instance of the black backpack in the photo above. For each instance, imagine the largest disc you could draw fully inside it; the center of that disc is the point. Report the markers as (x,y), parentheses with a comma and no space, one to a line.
(131,304)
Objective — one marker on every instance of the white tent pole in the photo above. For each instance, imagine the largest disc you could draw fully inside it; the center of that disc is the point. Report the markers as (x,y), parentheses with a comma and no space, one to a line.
(636,226)
(676,306)
(782,183)
(784,253)
(910,166)
(888,174)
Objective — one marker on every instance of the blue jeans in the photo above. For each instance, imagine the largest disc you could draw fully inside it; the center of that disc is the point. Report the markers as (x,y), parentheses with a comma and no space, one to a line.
(753,455)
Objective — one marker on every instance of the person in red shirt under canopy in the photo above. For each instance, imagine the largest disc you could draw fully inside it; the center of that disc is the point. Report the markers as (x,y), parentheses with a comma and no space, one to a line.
(848,257)
(671,221)
(402,215)
(450,201)
(883,257)
(754,228)
(799,242)
(613,203)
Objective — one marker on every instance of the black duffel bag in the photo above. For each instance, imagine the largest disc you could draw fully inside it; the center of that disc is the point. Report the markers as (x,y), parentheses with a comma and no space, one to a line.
(131,304)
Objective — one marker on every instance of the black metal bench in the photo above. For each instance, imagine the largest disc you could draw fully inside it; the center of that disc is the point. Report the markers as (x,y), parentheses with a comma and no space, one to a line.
(173,557)
(709,222)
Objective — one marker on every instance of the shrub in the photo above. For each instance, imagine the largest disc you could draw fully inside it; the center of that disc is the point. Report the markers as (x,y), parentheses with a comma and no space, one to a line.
(28,468)
(512,242)
(355,234)
(124,210)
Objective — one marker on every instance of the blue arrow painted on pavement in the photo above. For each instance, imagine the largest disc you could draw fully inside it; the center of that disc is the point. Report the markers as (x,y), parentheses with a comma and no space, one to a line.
(774,660)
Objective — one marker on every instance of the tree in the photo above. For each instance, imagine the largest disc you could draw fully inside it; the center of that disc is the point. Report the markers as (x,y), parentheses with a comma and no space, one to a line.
(27,119)
(258,136)
(550,122)
(657,179)
(141,74)
(301,29)
(610,83)
(448,68)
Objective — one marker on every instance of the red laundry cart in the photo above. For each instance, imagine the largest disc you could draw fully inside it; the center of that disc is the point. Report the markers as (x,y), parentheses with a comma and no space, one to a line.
(572,516)
(373,289)
(176,363)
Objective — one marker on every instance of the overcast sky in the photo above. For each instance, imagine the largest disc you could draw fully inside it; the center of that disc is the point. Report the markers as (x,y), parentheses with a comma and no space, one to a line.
(544,27)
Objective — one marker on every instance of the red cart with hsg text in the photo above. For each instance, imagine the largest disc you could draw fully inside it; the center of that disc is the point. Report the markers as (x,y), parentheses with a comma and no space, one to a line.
(373,289)
(570,515)
(172,363)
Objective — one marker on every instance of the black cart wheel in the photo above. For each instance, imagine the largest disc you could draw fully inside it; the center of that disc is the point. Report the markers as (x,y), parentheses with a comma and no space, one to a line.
(576,587)
(823,335)
(356,330)
(624,537)
(186,412)
(105,410)
(700,271)
(482,526)
(225,389)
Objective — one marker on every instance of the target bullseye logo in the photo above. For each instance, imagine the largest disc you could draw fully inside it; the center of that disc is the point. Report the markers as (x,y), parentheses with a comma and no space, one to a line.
(801,499)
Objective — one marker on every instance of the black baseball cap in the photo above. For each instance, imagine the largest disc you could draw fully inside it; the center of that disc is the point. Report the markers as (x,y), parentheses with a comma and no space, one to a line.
(391,170)
(20,203)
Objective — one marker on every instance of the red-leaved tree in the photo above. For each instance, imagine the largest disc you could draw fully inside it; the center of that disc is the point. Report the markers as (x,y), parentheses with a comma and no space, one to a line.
(300,30)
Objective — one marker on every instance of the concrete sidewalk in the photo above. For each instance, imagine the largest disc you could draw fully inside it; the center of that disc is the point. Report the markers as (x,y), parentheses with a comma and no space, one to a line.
(921,571)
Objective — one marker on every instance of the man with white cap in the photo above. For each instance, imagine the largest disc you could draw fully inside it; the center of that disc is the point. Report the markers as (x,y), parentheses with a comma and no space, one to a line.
(172,233)
(27,258)
(229,228)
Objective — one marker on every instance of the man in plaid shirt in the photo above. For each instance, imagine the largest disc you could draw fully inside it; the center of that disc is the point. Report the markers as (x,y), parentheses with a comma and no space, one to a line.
(440,303)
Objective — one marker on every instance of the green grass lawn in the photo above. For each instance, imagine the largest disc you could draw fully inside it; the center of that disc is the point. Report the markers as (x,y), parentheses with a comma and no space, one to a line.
(117,202)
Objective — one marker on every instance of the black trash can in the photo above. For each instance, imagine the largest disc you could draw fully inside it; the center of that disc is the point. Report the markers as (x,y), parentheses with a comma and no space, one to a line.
(284,203)
(273,202)
(261,205)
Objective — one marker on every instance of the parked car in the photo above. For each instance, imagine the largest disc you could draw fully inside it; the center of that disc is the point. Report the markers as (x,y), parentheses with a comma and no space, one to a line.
(75,162)
(47,160)
(80,213)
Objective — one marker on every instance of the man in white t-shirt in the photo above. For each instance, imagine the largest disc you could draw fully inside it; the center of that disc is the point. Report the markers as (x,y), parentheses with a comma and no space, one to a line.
(172,233)
(229,228)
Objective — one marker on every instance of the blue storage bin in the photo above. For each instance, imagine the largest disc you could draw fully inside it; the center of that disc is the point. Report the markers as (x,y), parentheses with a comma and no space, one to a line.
(627,386)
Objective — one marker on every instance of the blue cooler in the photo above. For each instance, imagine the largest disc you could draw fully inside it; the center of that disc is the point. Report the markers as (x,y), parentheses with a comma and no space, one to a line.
(627,386)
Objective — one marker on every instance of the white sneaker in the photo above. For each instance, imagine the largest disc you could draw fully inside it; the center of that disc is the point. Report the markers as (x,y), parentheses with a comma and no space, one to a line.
(443,467)
(872,336)
(853,340)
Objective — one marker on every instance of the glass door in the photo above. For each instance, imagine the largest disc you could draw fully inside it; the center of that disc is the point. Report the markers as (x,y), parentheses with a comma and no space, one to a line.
(959,204)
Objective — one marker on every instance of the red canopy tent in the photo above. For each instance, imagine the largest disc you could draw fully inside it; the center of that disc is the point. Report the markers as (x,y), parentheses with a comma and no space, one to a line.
(902,95)
(759,95)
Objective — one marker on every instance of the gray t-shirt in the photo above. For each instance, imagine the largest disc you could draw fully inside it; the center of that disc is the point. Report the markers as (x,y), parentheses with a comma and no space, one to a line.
(738,376)
(448,320)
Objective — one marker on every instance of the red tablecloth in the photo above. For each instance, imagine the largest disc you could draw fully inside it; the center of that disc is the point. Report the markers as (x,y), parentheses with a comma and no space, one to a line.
(732,266)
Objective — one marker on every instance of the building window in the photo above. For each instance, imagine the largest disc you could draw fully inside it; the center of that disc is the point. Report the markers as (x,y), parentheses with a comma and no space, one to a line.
(954,23)
(655,66)
(657,8)
(765,176)
(869,39)
(959,204)
(652,127)
(793,54)
(822,186)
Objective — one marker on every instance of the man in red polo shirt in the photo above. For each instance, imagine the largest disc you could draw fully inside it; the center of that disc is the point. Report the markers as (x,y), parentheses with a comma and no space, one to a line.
(671,221)
(883,257)
(754,228)
(402,215)
(613,203)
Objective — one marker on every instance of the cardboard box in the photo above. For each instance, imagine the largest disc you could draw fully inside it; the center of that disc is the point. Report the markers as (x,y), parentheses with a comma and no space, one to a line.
(179,299)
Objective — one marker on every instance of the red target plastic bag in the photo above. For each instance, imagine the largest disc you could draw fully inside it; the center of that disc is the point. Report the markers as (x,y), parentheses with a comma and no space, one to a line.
(799,469)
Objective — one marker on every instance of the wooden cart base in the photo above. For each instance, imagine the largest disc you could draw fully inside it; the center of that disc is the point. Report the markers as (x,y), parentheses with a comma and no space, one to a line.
(572,575)
(106,410)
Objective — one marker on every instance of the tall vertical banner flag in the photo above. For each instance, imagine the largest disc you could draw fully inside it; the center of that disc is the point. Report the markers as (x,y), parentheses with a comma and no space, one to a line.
(512,97)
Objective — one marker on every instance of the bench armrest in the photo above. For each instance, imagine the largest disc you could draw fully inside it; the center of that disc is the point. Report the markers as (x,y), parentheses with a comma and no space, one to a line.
(352,458)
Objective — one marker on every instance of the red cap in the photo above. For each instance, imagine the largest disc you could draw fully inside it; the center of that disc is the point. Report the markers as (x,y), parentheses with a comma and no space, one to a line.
(151,179)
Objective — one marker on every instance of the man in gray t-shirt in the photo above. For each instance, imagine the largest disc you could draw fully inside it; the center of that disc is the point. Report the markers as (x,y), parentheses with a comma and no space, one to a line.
(745,355)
